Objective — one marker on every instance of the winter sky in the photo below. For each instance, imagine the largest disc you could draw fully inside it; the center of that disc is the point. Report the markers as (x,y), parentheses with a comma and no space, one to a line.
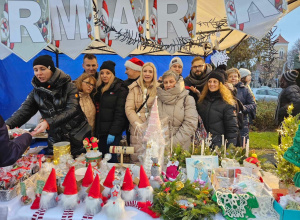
(289,27)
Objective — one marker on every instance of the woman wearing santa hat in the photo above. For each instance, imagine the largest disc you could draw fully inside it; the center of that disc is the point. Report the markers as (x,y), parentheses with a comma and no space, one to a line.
(110,108)
(56,98)
(138,105)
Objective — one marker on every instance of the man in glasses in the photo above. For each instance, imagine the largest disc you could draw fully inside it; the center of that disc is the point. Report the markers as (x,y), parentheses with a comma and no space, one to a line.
(197,78)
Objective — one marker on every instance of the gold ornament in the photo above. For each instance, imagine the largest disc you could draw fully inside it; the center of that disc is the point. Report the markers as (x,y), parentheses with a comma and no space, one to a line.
(59,149)
(179,185)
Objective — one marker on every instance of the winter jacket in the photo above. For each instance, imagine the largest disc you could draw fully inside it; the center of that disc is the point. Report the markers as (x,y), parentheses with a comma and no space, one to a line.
(110,109)
(58,103)
(179,109)
(219,118)
(245,96)
(88,108)
(288,95)
(197,81)
(11,150)
(134,101)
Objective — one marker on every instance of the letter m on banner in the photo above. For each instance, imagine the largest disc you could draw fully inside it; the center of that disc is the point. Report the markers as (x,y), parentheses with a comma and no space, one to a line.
(254,17)
(73,25)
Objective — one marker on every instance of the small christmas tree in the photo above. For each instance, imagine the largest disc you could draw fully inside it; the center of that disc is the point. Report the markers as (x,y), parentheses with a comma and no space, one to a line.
(285,169)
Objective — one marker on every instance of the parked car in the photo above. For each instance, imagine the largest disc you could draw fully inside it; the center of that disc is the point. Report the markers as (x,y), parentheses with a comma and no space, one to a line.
(265,93)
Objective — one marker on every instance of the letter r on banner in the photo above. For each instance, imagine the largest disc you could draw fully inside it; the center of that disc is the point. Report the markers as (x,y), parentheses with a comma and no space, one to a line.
(175,18)
(16,21)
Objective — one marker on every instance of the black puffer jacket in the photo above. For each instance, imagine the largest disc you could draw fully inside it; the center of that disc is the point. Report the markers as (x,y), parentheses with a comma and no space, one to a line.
(110,109)
(245,96)
(58,103)
(288,95)
(219,118)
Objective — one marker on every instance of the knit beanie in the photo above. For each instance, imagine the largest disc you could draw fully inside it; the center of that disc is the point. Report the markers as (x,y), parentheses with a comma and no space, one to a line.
(290,76)
(110,65)
(244,72)
(46,61)
(174,61)
(219,75)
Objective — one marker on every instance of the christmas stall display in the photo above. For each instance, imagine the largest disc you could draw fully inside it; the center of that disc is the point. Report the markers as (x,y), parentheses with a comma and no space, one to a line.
(115,206)
(179,200)
(92,156)
(145,190)
(86,182)
(128,192)
(94,202)
(108,182)
(286,170)
(155,142)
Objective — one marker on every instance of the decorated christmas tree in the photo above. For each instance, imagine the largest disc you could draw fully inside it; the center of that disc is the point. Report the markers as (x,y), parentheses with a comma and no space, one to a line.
(285,169)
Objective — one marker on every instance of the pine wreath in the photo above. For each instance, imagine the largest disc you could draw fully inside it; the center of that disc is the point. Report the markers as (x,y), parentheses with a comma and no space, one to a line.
(178,200)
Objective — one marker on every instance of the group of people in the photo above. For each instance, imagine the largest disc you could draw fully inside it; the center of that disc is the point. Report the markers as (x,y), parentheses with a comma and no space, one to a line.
(102,105)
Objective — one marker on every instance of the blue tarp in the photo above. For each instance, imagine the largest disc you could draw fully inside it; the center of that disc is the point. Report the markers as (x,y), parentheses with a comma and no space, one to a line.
(16,75)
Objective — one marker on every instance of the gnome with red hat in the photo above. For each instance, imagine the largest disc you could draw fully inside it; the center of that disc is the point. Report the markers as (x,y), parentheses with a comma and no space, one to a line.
(49,193)
(86,182)
(128,192)
(86,144)
(145,190)
(70,197)
(93,202)
(115,206)
(108,183)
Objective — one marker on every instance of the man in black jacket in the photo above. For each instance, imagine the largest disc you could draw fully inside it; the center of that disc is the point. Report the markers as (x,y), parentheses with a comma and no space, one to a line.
(198,76)
(290,94)
(56,97)
(11,150)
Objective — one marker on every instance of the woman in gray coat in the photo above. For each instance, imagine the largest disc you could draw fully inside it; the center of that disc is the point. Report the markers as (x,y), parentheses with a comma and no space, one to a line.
(177,109)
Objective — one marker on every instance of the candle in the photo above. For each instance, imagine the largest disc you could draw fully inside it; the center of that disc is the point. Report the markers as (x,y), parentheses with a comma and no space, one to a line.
(193,144)
(202,147)
(223,139)
(225,147)
(244,142)
(247,148)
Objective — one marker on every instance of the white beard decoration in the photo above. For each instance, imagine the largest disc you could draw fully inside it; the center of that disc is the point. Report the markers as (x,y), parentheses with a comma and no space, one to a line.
(92,206)
(69,201)
(48,200)
(115,208)
(128,195)
(106,191)
(82,193)
(145,194)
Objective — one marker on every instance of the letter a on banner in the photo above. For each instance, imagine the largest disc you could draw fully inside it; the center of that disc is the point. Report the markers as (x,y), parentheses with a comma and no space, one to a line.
(73,25)
(4,52)
(125,17)
(25,27)
(171,20)
(254,17)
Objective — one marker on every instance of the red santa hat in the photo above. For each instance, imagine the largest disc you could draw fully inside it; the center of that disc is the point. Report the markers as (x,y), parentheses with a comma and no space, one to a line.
(154,8)
(93,138)
(135,64)
(88,177)
(104,10)
(252,162)
(144,181)
(70,183)
(87,139)
(95,189)
(127,183)
(50,185)
(110,178)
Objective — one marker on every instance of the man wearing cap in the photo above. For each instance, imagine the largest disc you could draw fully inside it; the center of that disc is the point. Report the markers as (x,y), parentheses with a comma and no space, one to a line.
(133,70)
(198,76)
(290,94)
(56,98)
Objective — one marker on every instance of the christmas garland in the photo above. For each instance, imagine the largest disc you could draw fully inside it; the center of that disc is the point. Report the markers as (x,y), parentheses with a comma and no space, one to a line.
(178,200)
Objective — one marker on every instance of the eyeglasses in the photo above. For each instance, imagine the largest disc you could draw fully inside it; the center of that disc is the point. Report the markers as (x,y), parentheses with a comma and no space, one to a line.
(89,84)
(196,67)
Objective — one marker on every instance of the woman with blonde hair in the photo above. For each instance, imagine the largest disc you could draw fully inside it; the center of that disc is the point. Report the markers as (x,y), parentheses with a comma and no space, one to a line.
(86,85)
(245,96)
(216,106)
(110,108)
(178,107)
(138,105)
